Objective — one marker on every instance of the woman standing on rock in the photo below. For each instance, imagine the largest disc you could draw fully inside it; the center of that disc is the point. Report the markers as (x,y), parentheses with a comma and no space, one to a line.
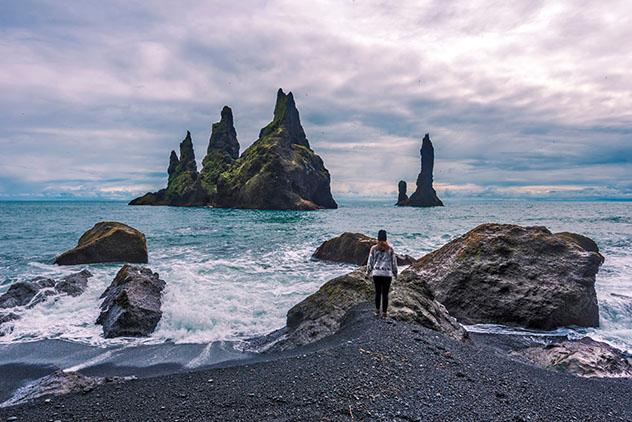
(382,266)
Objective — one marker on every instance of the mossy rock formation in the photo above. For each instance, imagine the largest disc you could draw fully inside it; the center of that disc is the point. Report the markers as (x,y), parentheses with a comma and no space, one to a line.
(279,171)
(352,248)
(184,187)
(107,241)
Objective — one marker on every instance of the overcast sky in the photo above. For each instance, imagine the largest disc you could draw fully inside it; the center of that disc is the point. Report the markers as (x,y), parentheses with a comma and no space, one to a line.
(521,98)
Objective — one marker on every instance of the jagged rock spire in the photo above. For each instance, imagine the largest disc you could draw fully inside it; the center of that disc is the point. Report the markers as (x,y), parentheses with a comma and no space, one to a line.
(424,195)
(287,119)
(223,135)
(187,156)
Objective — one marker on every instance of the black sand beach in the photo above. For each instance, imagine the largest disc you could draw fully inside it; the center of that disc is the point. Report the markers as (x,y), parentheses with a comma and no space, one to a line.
(370,370)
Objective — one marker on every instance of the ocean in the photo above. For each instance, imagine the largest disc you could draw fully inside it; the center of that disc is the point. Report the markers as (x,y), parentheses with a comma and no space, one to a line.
(233,274)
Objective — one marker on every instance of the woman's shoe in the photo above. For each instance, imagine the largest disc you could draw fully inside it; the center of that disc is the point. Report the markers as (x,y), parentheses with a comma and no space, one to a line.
(376,313)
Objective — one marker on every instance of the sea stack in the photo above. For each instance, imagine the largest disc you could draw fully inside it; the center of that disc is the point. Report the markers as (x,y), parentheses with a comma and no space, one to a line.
(424,195)
(184,187)
(222,151)
(279,171)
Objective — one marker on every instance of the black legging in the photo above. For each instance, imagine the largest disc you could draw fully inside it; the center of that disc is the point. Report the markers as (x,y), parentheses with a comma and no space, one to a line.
(382,286)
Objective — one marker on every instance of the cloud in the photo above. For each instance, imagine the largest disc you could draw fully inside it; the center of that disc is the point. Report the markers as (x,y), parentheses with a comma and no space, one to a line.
(520,98)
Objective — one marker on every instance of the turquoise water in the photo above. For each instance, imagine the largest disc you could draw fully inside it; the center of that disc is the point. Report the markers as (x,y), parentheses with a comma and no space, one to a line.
(232,274)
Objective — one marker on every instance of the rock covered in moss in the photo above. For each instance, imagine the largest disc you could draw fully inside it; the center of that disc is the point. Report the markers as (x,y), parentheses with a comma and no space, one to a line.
(132,303)
(508,274)
(321,314)
(279,170)
(107,241)
(352,248)
(184,186)
(222,151)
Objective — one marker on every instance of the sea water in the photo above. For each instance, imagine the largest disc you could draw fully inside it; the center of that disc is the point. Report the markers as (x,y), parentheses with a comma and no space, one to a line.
(233,274)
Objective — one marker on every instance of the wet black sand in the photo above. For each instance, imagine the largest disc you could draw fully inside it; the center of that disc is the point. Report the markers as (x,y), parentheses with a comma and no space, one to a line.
(371,370)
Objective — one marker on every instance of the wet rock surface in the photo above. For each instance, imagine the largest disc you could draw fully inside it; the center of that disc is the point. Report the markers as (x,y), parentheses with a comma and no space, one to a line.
(57,384)
(107,241)
(352,248)
(131,305)
(585,357)
(521,276)
(371,369)
(24,295)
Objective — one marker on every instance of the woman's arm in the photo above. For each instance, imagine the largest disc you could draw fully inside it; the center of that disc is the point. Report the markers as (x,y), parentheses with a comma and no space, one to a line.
(370,261)
(394,263)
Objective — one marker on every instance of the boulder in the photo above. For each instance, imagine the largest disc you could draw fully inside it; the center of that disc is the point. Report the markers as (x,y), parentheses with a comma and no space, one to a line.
(131,304)
(321,314)
(352,248)
(424,195)
(56,384)
(184,186)
(279,170)
(521,276)
(19,294)
(107,241)
(585,357)
(74,284)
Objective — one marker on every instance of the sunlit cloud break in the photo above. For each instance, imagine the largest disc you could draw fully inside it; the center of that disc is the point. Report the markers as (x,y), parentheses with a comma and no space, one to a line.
(522,99)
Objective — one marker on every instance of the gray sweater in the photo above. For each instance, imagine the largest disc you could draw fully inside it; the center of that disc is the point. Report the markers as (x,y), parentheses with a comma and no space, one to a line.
(382,263)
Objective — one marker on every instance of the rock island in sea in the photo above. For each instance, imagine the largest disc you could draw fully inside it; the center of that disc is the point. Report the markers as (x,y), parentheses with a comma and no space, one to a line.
(279,171)
(424,195)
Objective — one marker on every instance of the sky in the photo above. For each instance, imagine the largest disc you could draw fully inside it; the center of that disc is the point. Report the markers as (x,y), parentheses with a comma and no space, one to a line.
(522,99)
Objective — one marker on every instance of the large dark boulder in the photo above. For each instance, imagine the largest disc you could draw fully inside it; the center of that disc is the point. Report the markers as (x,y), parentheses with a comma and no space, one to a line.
(131,304)
(352,248)
(585,357)
(424,195)
(321,314)
(184,186)
(279,170)
(107,241)
(521,276)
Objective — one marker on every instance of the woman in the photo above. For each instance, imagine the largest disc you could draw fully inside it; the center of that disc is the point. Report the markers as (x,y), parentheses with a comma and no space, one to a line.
(382,266)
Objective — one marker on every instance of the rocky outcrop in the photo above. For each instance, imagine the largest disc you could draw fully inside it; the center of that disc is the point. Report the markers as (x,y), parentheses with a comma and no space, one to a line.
(424,195)
(30,293)
(279,170)
(131,304)
(184,186)
(58,383)
(24,295)
(402,196)
(521,276)
(107,241)
(585,357)
(352,248)
(321,314)
(223,150)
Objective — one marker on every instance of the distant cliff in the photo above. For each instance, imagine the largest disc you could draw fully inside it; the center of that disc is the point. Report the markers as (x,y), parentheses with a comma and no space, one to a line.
(424,195)
(278,171)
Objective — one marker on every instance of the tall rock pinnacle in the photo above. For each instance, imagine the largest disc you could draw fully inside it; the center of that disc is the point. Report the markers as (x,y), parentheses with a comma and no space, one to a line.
(286,121)
(279,170)
(222,151)
(424,195)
